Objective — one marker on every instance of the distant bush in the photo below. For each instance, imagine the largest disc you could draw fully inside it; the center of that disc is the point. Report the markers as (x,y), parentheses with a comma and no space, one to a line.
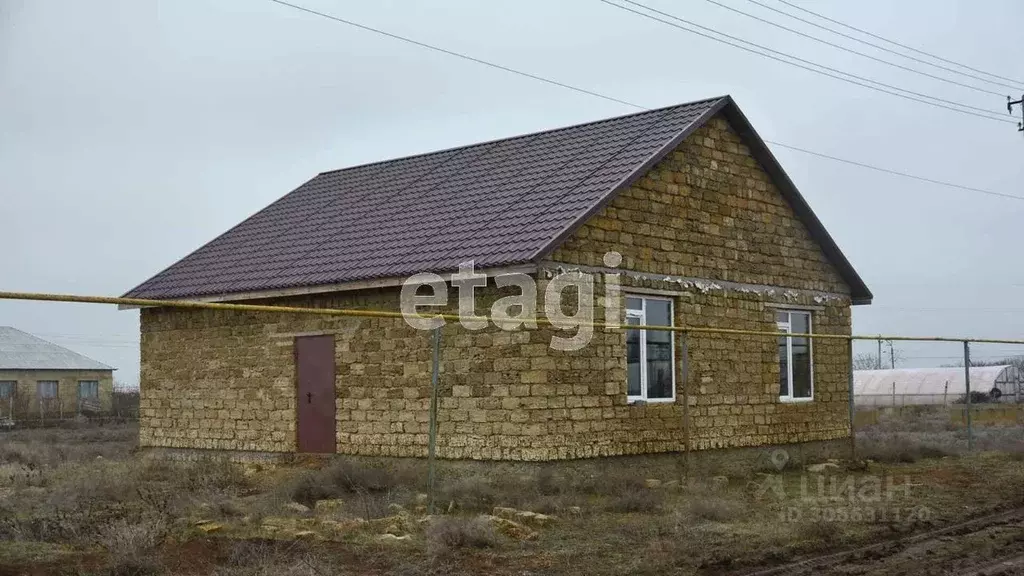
(976,398)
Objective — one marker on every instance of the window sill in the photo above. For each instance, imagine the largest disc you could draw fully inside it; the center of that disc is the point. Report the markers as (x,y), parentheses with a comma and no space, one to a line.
(641,401)
(786,400)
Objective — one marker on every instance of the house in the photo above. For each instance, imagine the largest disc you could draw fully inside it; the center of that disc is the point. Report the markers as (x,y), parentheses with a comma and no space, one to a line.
(39,379)
(681,213)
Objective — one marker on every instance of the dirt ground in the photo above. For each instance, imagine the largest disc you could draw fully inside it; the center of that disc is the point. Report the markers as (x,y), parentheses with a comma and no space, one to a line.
(84,501)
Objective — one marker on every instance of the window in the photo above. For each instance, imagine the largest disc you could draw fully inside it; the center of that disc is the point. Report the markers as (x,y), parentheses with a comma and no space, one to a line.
(88,389)
(796,370)
(7,388)
(46,389)
(650,366)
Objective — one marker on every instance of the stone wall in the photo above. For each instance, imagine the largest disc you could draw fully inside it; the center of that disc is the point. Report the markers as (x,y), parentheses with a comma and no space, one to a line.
(26,404)
(705,227)
(708,227)
(226,380)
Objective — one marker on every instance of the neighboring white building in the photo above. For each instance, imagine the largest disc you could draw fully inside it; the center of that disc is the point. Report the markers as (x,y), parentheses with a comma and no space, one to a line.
(909,386)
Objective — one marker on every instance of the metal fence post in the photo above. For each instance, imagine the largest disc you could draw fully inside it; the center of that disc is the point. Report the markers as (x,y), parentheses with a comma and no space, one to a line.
(432,439)
(967,386)
(853,430)
(684,337)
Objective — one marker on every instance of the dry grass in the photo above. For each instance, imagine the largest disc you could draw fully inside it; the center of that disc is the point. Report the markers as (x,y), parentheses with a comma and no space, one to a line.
(82,487)
(447,535)
(820,532)
(141,513)
(896,447)
(262,558)
(914,433)
(131,545)
(343,478)
(51,447)
(715,509)
(636,500)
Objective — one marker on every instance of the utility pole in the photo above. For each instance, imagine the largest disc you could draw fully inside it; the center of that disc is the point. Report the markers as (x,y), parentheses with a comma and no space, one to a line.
(892,355)
(879,357)
(1009,108)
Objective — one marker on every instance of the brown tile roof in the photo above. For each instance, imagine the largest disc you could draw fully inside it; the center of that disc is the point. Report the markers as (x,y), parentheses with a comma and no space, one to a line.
(498,203)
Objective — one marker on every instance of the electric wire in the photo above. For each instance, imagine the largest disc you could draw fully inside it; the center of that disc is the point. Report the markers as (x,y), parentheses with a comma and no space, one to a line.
(806,64)
(851,50)
(455,54)
(893,42)
(635,105)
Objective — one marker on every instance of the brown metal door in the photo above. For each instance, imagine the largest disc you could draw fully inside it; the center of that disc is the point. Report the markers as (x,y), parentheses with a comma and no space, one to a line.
(314,373)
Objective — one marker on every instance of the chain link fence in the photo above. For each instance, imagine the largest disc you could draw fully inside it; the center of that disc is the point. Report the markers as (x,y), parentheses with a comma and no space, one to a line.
(905,413)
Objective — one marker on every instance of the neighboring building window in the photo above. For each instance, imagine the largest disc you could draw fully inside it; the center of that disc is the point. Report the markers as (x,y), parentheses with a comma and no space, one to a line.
(46,389)
(88,389)
(7,388)
(796,370)
(650,366)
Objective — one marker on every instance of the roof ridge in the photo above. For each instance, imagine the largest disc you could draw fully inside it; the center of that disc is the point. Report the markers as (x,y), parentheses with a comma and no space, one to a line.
(524,135)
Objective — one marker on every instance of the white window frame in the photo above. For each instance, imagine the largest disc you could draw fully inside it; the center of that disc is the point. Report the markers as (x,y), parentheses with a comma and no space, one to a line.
(787,327)
(641,315)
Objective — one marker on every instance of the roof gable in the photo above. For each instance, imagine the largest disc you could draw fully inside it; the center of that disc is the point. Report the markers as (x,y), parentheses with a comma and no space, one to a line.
(498,203)
(23,351)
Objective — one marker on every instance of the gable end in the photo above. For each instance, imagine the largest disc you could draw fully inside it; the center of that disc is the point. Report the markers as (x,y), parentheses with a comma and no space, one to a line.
(859,292)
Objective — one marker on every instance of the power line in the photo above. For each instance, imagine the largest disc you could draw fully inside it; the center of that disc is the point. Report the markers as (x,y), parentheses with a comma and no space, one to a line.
(850,50)
(898,173)
(895,43)
(637,106)
(886,88)
(456,54)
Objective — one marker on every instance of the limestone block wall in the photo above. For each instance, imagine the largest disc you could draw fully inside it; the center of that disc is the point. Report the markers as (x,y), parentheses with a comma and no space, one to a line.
(708,227)
(226,380)
(26,402)
(220,380)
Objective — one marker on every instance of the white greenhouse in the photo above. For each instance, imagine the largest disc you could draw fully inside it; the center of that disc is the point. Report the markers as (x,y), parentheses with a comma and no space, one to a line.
(909,386)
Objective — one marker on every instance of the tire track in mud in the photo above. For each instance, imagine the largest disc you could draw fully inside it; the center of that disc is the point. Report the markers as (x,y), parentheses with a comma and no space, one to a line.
(880,551)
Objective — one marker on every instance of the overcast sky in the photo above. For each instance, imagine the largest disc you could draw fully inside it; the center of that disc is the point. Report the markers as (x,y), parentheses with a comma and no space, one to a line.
(133,132)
